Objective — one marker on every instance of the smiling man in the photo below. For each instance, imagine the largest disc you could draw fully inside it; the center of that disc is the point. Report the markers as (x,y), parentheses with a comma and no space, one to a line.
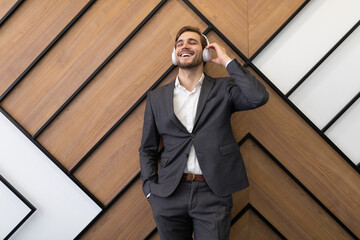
(201,165)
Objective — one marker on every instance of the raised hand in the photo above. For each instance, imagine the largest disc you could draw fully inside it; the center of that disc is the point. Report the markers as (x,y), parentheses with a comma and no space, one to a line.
(222,57)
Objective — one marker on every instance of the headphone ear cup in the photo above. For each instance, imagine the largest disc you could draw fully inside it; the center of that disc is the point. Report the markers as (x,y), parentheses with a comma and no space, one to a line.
(173,57)
(207,55)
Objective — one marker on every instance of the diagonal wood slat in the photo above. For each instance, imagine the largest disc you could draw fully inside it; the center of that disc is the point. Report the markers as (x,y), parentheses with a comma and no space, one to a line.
(117,87)
(265,17)
(114,166)
(282,201)
(309,157)
(5,7)
(104,26)
(27,33)
(233,15)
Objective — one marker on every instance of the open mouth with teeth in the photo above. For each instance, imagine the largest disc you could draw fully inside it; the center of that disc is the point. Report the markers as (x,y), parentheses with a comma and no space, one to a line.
(186,54)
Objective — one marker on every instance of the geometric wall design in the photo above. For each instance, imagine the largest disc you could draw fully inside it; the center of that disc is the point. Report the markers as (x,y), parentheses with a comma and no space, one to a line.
(15,209)
(74,77)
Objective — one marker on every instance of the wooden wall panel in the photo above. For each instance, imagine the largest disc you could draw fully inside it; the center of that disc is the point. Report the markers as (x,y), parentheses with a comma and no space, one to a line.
(309,157)
(250,226)
(5,6)
(280,200)
(129,218)
(231,20)
(241,228)
(118,86)
(94,37)
(247,24)
(259,230)
(116,161)
(265,17)
(28,32)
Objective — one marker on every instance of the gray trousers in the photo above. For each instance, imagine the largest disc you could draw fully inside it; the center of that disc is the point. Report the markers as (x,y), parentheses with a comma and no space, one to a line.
(192,208)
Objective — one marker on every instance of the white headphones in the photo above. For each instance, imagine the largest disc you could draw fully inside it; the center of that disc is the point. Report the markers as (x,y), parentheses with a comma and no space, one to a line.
(206,53)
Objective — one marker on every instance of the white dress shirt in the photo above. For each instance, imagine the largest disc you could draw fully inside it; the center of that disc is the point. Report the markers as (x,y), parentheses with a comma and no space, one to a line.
(185,105)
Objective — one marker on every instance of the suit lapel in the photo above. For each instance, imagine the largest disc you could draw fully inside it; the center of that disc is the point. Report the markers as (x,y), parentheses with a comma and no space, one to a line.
(170,106)
(205,90)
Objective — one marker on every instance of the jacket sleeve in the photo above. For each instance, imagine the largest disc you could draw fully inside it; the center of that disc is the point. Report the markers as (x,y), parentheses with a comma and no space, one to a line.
(246,92)
(149,148)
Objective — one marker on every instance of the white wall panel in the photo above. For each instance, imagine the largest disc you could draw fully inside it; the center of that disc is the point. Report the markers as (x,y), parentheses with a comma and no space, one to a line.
(333,84)
(306,39)
(12,210)
(63,209)
(345,132)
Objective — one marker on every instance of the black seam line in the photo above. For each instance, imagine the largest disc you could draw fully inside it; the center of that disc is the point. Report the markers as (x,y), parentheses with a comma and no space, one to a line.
(341,112)
(148,237)
(24,200)
(132,108)
(103,64)
(52,158)
(108,206)
(10,12)
(217,31)
(279,30)
(46,50)
(298,182)
(304,117)
(322,59)
(266,221)
(113,128)
(137,176)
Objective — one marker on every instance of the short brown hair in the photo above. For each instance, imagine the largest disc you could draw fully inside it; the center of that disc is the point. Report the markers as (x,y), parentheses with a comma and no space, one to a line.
(191,29)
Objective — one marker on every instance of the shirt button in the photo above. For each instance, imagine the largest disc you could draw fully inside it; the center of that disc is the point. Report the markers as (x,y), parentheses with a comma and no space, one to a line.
(192,135)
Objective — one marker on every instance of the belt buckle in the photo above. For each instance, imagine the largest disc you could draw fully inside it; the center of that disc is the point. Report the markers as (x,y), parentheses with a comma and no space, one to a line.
(193,177)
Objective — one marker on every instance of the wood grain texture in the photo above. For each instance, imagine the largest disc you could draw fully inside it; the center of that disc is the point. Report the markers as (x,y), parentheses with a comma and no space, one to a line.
(116,161)
(94,37)
(250,226)
(282,202)
(309,157)
(241,228)
(29,31)
(5,6)
(118,86)
(129,218)
(259,230)
(230,17)
(265,17)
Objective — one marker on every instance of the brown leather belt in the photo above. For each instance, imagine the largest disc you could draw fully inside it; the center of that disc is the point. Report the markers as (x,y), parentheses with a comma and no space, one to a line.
(193,177)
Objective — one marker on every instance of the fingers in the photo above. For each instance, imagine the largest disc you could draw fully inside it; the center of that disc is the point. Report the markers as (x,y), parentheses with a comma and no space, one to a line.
(222,56)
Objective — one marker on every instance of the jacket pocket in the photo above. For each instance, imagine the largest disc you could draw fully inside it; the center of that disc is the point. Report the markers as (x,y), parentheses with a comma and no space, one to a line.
(228,148)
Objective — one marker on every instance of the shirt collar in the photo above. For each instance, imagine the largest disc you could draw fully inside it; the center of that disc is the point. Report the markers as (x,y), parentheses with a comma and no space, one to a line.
(198,84)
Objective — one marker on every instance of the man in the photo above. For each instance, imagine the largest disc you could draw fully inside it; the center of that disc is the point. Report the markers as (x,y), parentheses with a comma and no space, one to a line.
(201,165)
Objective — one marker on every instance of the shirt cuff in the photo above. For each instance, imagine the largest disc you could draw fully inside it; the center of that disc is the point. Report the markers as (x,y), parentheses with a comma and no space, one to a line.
(147,196)
(227,63)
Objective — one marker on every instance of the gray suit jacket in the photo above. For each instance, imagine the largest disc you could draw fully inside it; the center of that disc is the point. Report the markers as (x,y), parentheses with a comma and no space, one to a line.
(216,148)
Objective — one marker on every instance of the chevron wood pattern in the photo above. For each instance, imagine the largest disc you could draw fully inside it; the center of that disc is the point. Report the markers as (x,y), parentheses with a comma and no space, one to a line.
(83,98)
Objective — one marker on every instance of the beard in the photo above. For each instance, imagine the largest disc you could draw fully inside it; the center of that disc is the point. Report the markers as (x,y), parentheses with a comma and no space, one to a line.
(188,65)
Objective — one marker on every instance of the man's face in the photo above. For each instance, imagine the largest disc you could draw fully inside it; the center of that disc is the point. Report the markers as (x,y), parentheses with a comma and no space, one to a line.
(188,50)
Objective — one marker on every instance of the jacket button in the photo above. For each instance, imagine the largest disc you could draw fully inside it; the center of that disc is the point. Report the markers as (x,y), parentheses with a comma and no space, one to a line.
(192,135)
(187,155)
